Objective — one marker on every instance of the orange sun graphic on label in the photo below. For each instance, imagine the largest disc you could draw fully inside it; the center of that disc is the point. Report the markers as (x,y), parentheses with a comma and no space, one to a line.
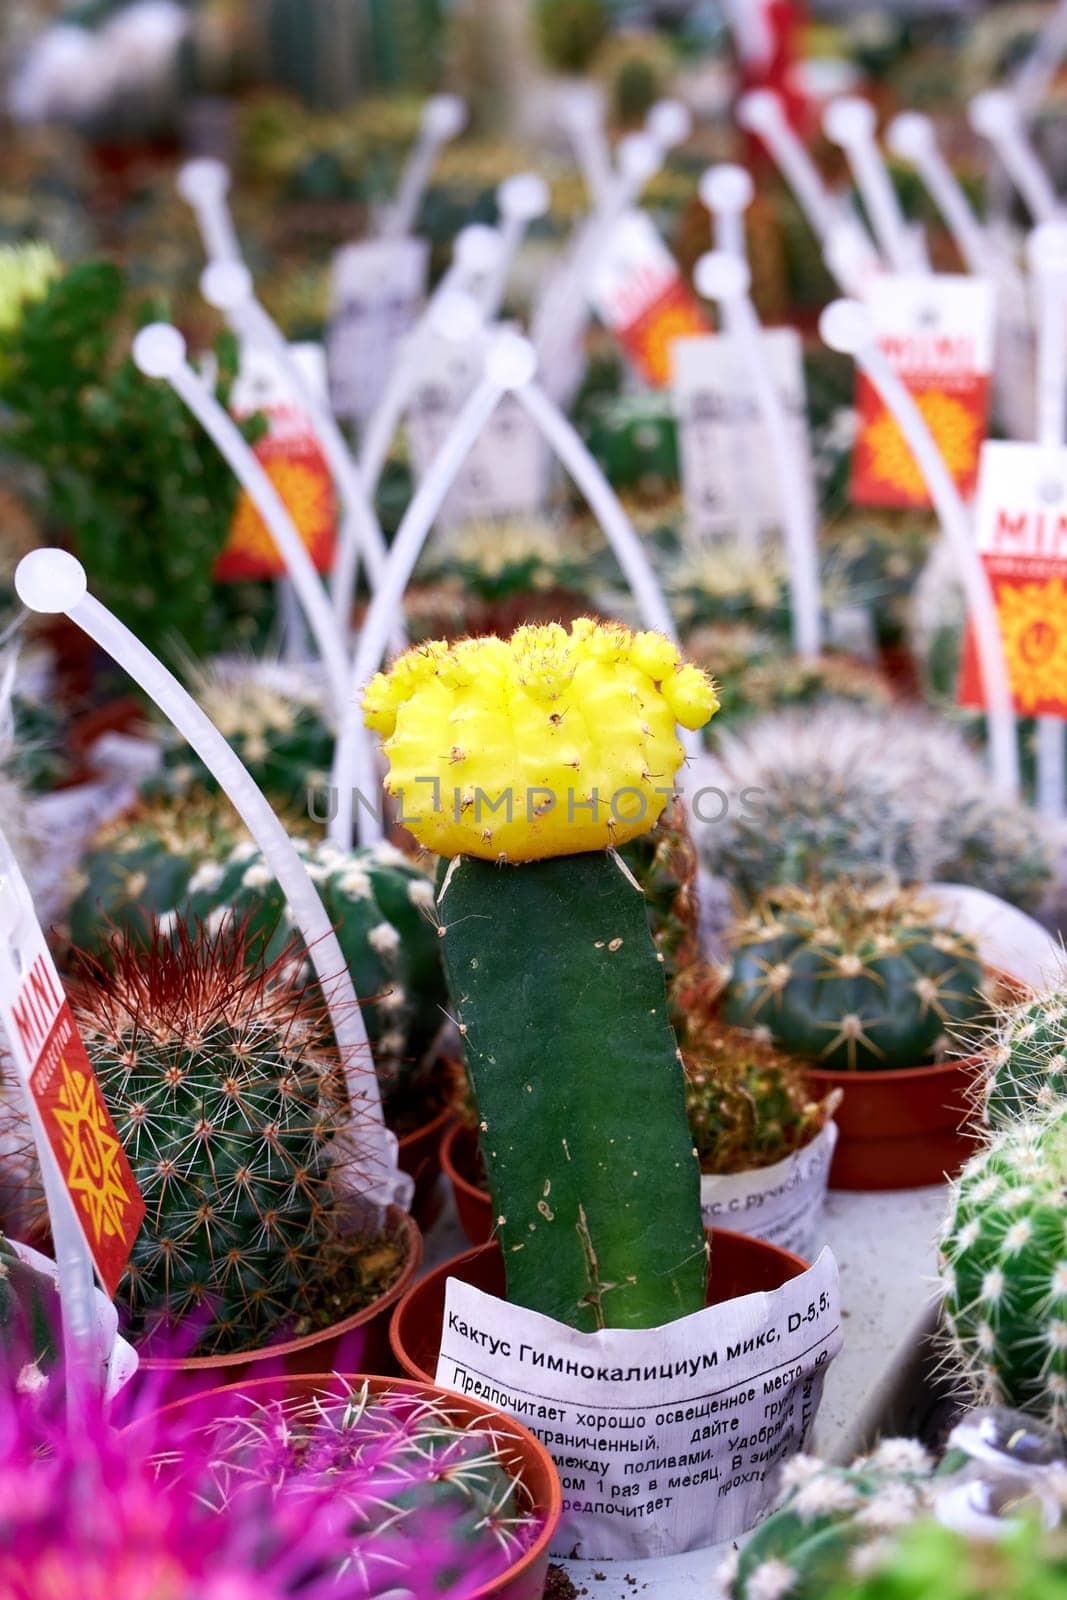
(884,470)
(297,469)
(1033,624)
(675,314)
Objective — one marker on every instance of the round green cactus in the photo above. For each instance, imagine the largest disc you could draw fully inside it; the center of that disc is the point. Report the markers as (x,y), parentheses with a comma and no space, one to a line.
(227,1096)
(1004,1271)
(852,979)
(830,1515)
(1028,1059)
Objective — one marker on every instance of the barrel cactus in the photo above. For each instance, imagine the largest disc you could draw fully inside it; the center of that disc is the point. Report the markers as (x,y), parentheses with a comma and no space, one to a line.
(549,749)
(226,1094)
(853,979)
(830,1516)
(1003,1269)
(850,792)
(434,1504)
(1027,1073)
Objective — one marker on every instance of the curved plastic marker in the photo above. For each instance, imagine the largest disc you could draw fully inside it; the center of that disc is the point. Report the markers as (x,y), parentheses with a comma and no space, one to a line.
(510,366)
(51,581)
(669,123)
(581,110)
(520,200)
(850,122)
(203,185)
(443,117)
(475,254)
(1046,251)
(727,192)
(761,112)
(228,286)
(846,326)
(159,352)
(726,279)
(912,137)
(1034,76)
(995,115)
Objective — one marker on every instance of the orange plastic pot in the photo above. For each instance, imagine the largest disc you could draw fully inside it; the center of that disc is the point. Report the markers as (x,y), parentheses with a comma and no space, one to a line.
(356,1343)
(525,1580)
(905,1129)
(459,1158)
(739,1265)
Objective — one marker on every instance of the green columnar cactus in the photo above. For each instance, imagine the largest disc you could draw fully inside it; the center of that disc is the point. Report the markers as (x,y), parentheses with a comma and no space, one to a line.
(830,1515)
(29,1322)
(543,746)
(1028,1060)
(1003,1269)
(226,1097)
(852,979)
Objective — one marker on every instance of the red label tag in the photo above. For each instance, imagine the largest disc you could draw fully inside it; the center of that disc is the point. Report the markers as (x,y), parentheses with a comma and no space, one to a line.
(639,293)
(674,314)
(1021,523)
(937,333)
(82,1135)
(294,462)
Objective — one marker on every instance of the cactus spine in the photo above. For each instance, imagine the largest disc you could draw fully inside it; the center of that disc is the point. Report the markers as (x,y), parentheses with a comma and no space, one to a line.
(852,979)
(1028,1061)
(552,972)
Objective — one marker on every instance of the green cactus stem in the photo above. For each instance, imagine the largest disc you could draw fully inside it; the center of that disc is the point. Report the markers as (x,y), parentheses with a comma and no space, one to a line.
(580,1090)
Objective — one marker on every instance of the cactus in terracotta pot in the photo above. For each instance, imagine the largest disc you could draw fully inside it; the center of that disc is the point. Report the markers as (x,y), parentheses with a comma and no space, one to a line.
(549,751)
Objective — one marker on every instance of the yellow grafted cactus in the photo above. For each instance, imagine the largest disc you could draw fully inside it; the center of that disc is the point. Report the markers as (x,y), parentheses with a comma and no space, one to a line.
(26,273)
(550,743)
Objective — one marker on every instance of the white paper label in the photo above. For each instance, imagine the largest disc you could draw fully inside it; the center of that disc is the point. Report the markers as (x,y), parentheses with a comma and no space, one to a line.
(505,472)
(666,1440)
(378,291)
(782,1204)
(261,385)
(634,269)
(1021,510)
(934,324)
(728,476)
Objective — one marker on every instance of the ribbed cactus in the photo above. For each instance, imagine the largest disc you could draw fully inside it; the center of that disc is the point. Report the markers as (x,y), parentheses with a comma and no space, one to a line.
(29,1323)
(548,748)
(852,979)
(1004,1272)
(226,1097)
(434,1505)
(1027,1073)
(839,791)
(830,1517)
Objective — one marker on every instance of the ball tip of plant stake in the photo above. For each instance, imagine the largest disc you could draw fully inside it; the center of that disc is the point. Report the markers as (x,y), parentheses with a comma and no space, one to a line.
(992,112)
(50,580)
(670,123)
(510,361)
(726,188)
(477,248)
(845,326)
(910,135)
(524,196)
(444,116)
(849,119)
(639,157)
(759,110)
(720,276)
(203,180)
(159,350)
(226,284)
(456,316)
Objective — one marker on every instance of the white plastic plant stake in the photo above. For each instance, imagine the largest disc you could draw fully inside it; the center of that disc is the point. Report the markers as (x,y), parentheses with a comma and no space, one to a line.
(846,326)
(850,122)
(159,351)
(443,118)
(725,279)
(474,257)
(52,581)
(996,116)
(669,124)
(510,366)
(1047,254)
(727,192)
(520,200)
(228,286)
(582,112)
(19,931)
(752,32)
(204,184)
(912,137)
(761,112)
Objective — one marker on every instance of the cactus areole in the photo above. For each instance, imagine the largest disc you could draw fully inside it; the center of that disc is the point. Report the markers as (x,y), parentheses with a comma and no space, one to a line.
(536,756)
